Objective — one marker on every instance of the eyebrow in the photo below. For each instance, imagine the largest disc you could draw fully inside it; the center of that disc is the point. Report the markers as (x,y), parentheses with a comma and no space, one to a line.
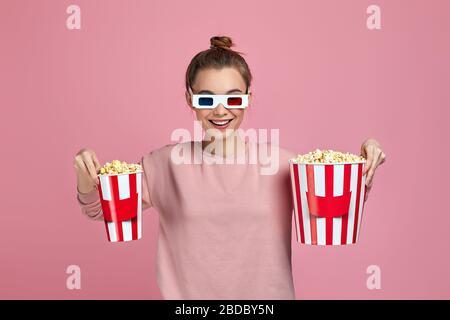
(210,92)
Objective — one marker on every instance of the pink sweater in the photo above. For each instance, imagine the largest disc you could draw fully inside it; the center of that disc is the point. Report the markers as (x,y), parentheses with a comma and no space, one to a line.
(225,229)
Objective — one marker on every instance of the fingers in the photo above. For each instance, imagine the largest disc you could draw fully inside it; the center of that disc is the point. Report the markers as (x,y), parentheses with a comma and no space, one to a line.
(86,163)
(79,165)
(382,157)
(368,154)
(96,163)
(375,156)
(366,196)
(373,166)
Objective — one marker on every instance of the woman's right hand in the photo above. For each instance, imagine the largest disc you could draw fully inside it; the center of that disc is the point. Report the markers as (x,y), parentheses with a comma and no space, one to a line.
(87,167)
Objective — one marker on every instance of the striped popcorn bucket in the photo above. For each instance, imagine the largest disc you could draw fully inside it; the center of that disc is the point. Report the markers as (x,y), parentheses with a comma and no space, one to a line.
(121,200)
(328,202)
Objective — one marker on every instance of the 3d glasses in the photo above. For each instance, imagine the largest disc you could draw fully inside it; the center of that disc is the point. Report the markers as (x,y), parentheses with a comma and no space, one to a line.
(210,101)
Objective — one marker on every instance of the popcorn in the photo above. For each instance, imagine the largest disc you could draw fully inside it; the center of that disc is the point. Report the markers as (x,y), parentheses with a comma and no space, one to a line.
(120,191)
(328,191)
(327,156)
(120,167)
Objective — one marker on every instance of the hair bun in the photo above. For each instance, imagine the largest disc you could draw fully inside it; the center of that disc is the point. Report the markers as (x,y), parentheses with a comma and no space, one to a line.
(221,42)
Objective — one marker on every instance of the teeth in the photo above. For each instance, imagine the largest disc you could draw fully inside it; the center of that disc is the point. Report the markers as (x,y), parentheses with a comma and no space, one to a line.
(220,123)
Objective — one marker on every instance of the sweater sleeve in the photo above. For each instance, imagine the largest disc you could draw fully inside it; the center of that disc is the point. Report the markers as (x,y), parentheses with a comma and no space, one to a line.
(90,202)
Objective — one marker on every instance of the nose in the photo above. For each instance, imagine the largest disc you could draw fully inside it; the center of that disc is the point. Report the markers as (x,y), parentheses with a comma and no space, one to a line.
(220,110)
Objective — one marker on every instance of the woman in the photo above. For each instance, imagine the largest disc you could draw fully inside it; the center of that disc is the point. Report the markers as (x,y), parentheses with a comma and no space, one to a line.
(225,229)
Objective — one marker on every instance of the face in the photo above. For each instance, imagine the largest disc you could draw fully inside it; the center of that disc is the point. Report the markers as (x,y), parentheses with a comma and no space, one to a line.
(227,80)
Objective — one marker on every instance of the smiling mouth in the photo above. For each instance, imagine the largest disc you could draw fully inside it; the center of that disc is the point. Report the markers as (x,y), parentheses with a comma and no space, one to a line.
(221,123)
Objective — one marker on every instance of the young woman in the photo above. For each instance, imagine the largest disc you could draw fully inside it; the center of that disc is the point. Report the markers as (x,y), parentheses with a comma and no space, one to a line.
(225,229)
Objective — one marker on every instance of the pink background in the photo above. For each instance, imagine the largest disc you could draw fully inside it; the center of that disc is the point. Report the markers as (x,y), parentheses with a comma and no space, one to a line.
(320,76)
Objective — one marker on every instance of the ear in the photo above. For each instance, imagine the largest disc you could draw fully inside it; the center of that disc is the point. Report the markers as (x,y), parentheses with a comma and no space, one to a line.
(250,98)
(188,99)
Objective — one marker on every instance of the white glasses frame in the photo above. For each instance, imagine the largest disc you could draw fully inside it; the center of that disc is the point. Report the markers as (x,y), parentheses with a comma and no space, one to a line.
(218,98)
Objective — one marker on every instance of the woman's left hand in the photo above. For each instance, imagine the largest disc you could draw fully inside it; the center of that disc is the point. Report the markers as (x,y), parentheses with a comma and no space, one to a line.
(373,152)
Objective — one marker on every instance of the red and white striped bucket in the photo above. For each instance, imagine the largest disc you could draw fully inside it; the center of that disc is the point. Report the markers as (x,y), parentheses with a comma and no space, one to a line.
(121,200)
(328,202)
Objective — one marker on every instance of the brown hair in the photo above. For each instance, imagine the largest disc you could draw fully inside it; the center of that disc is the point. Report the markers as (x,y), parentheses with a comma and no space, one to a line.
(219,55)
